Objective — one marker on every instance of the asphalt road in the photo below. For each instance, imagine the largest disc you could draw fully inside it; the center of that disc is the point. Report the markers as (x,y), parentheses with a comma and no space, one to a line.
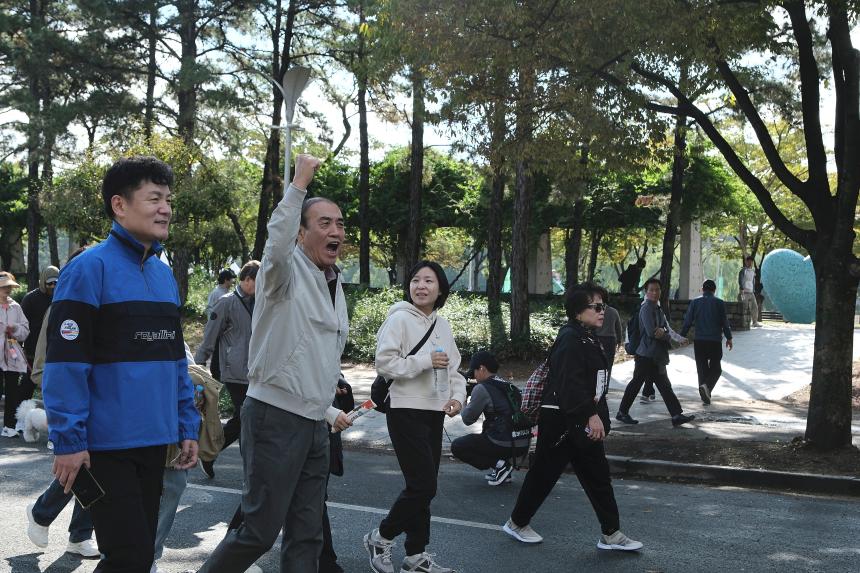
(685,528)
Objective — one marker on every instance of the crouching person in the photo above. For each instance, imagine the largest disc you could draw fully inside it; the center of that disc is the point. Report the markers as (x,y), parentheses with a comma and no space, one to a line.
(499,442)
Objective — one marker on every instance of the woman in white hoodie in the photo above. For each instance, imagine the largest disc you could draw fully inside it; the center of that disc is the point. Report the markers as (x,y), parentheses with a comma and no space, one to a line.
(426,387)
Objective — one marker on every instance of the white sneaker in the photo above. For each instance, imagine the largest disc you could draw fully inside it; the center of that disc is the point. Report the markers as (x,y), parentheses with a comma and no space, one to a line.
(379,551)
(9,432)
(423,563)
(38,534)
(525,533)
(86,548)
(619,542)
(254,568)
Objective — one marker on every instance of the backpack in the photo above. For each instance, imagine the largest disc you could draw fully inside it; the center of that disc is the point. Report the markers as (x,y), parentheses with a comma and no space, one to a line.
(530,399)
(519,420)
(634,334)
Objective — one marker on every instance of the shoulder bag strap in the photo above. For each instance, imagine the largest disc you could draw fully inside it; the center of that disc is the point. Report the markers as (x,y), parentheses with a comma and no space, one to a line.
(245,306)
(423,340)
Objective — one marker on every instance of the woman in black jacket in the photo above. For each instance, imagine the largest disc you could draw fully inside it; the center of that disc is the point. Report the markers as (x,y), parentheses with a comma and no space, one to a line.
(574,420)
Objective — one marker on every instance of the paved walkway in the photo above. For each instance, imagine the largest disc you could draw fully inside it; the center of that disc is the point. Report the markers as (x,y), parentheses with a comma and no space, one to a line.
(766,365)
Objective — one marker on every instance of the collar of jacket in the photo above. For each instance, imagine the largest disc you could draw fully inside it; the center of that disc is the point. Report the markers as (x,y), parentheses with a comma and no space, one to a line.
(132,245)
(581,331)
(329,273)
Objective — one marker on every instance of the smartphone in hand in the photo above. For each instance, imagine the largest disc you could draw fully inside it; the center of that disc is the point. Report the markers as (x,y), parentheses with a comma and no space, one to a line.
(86,489)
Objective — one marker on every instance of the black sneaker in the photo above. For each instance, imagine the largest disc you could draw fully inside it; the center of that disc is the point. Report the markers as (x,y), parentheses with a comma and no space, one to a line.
(681,419)
(705,394)
(626,418)
(208,468)
(502,475)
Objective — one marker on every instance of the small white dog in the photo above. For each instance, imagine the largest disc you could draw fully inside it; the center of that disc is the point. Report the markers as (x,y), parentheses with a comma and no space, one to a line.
(32,414)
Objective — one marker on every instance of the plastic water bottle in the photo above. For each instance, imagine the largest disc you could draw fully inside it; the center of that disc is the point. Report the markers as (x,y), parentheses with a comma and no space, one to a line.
(440,376)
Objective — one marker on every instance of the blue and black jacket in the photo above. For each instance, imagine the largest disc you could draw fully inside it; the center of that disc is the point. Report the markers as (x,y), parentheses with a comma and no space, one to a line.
(116,376)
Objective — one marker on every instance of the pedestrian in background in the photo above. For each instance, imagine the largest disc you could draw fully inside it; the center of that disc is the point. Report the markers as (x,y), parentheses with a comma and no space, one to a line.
(427,385)
(708,314)
(228,332)
(652,357)
(747,286)
(15,329)
(35,304)
(611,332)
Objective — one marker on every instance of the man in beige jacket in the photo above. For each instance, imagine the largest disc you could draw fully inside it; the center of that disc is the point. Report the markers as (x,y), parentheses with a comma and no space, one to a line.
(299,330)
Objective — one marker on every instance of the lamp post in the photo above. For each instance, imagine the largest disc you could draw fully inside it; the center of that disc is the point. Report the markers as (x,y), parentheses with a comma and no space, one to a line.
(295,81)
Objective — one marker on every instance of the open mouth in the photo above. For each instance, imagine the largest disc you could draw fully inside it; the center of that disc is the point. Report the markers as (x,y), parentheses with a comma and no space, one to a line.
(332,247)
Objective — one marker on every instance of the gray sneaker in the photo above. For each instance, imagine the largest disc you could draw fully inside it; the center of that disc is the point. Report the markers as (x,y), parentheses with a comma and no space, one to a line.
(379,552)
(521,533)
(619,542)
(423,563)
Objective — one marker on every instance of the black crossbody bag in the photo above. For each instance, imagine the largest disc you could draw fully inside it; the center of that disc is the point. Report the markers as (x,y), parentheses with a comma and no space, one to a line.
(380,390)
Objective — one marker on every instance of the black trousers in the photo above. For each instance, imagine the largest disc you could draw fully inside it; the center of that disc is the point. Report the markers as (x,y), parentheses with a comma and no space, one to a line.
(126,518)
(12,391)
(589,463)
(27,388)
(233,427)
(215,362)
(479,452)
(647,369)
(708,355)
(417,439)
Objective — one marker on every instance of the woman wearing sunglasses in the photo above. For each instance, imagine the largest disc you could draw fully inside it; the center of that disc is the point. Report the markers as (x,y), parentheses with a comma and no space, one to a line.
(574,420)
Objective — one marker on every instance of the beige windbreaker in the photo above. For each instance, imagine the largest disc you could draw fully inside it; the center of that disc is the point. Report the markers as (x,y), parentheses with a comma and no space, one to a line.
(416,384)
(297,335)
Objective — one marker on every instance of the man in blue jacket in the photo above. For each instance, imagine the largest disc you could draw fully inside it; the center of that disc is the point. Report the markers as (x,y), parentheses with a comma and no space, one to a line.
(116,383)
(708,313)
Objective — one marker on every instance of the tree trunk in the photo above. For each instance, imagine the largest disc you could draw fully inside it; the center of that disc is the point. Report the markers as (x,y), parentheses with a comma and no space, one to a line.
(151,70)
(596,236)
(828,424)
(573,245)
(47,185)
(33,139)
(520,327)
(416,173)
(364,164)
(240,234)
(186,124)
(495,276)
(673,218)
(273,184)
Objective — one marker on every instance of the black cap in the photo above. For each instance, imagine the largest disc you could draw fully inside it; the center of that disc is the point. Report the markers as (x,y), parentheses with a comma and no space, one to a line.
(482,358)
(709,285)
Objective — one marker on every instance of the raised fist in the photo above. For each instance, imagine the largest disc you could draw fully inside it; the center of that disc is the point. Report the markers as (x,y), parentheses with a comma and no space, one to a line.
(306,167)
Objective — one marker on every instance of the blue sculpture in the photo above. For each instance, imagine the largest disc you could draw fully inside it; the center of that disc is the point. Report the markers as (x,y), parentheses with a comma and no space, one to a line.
(789,282)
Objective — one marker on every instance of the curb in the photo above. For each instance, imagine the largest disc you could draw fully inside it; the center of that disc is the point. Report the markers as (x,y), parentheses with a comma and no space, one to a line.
(622,466)
(628,467)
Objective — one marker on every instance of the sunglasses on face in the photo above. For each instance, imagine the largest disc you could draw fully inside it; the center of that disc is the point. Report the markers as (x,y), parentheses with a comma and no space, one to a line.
(597,306)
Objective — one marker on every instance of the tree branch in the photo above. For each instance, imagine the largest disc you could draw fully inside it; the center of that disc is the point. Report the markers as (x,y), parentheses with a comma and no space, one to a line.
(810,99)
(795,233)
